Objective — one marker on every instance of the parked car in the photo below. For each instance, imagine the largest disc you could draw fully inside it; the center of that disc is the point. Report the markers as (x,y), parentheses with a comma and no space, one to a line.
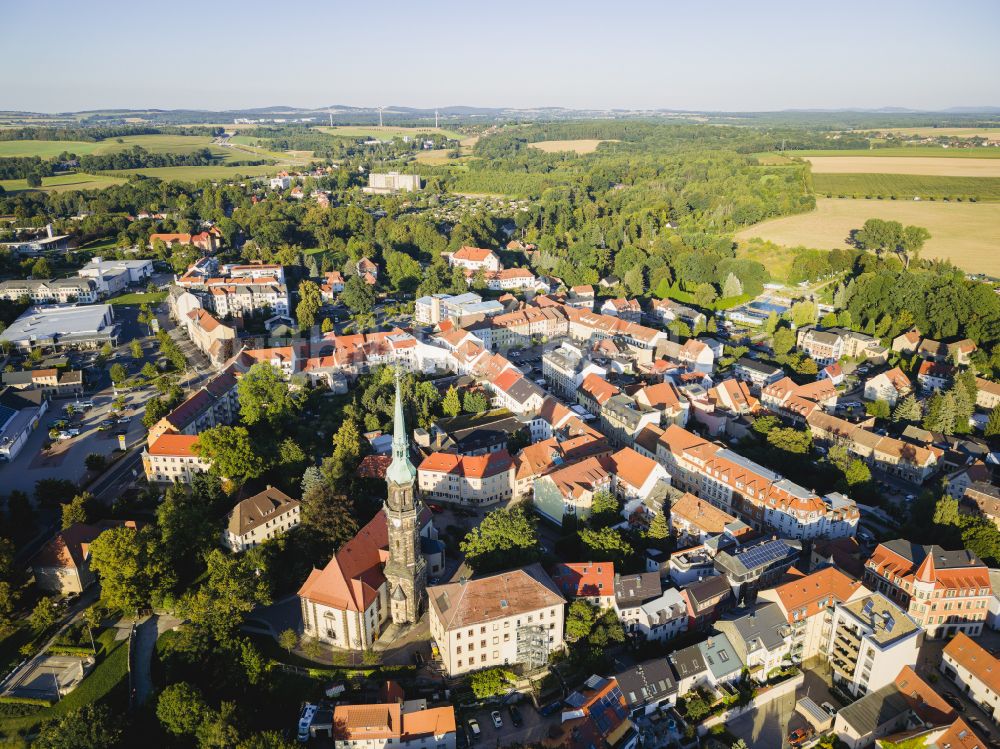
(497,720)
(800,735)
(474,729)
(434,508)
(829,708)
(515,716)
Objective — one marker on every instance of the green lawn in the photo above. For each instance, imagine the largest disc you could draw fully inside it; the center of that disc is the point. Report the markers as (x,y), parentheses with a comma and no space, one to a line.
(906,186)
(687,297)
(64,182)
(912,151)
(140,298)
(46,149)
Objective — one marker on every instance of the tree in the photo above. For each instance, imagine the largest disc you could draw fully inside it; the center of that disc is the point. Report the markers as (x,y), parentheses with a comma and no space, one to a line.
(451,406)
(327,325)
(907,409)
(491,682)
(288,640)
(857,473)
(475,402)
(605,509)
(88,727)
(940,416)
(267,740)
(129,567)
(732,286)
(783,341)
(184,520)
(310,302)
(878,408)
(348,447)
(659,527)
(230,453)
(993,423)
(181,708)
(118,373)
(946,511)
(790,440)
(764,424)
(358,296)
(696,706)
(803,313)
(34,180)
(329,514)
(41,269)
(580,619)
(77,510)
(264,395)
(505,538)
(44,615)
(705,295)
(95,462)
(135,349)
(605,545)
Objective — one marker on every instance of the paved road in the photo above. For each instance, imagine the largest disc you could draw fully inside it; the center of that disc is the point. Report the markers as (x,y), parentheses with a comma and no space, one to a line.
(146,635)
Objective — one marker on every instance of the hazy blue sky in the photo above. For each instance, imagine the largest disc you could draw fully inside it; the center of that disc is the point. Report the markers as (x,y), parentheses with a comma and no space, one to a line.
(694,54)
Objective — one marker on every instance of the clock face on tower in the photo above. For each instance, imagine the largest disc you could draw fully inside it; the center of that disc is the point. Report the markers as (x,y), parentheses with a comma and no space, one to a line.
(396,522)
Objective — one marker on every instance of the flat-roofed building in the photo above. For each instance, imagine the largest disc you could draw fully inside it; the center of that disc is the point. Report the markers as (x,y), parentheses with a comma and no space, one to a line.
(383,183)
(513,617)
(89,326)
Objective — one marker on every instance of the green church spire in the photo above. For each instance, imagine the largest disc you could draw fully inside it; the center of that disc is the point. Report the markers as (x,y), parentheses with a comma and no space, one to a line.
(401,470)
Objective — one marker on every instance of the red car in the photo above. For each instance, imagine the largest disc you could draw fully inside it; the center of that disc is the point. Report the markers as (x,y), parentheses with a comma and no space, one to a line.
(800,735)
(434,508)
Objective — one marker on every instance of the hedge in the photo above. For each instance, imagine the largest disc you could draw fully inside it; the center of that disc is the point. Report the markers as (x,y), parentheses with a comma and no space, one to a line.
(9,699)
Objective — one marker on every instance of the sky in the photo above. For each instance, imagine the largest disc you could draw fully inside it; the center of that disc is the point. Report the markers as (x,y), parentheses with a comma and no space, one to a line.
(709,55)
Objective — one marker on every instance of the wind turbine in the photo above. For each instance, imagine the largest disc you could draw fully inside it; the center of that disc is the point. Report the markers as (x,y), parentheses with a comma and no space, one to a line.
(380,115)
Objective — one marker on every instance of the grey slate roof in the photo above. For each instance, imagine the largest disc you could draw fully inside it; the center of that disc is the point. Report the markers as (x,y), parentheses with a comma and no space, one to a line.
(649,681)
(636,589)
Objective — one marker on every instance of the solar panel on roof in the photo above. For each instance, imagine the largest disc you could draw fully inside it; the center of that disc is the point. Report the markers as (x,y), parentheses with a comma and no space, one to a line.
(867,609)
(889,623)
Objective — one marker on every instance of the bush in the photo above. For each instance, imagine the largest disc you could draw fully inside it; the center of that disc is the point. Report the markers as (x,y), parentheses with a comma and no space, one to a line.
(36,701)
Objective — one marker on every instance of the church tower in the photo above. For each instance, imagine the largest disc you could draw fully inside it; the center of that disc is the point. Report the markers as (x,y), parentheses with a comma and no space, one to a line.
(406,569)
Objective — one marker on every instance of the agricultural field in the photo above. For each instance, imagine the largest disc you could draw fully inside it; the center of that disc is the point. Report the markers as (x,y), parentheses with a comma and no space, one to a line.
(389,131)
(991,133)
(967,234)
(929,152)
(901,165)
(435,157)
(583,145)
(773,159)
(64,182)
(906,186)
(45,149)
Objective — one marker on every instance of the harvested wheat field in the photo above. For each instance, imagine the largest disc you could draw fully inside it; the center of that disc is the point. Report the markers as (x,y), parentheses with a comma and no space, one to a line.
(938,167)
(584,145)
(990,133)
(968,234)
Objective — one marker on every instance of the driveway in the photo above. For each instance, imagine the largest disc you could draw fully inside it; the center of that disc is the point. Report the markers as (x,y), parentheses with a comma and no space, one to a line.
(768,727)
(146,636)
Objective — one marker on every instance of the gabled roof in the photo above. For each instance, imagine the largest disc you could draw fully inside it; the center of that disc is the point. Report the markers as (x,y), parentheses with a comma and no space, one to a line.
(973,657)
(70,547)
(261,508)
(809,595)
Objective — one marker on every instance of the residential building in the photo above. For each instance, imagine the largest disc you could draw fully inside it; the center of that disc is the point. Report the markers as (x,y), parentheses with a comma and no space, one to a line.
(477,480)
(503,619)
(383,726)
(890,386)
(581,297)
(597,715)
(832,372)
(63,327)
(594,391)
(987,393)
(906,343)
(474,434)
(667,310)
(762,639)
(214,404)
(631,592)
(830,345)
(213,338)
(945,592)
(664,617)
(51,382)
(570,489)
(707,599)
(983,499)
(266,515)
(624,309)
(506,279)
(622,418)
(807,604)
(871,640)
(756,565)
(648,687)
(381,184)
(431,310)
(206,241)
(565,368)
(933,376)
(54,291)
(694,520)
(594,582)
(975,671)
(475,258)
(762,498)
(757,374)
(331,286)
(796,402)
(889,455)
(706,664)
(668,400)
(171,458)
(62,566)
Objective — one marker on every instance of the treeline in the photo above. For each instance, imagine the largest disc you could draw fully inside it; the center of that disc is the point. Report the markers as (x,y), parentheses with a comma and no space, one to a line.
(138,157)
(20,167)
(95,133)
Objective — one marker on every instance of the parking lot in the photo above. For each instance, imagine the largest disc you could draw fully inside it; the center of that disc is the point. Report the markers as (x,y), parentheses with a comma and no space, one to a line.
(534,726)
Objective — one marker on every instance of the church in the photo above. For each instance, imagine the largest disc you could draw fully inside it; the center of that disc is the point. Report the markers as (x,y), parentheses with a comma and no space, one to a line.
(379,576)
